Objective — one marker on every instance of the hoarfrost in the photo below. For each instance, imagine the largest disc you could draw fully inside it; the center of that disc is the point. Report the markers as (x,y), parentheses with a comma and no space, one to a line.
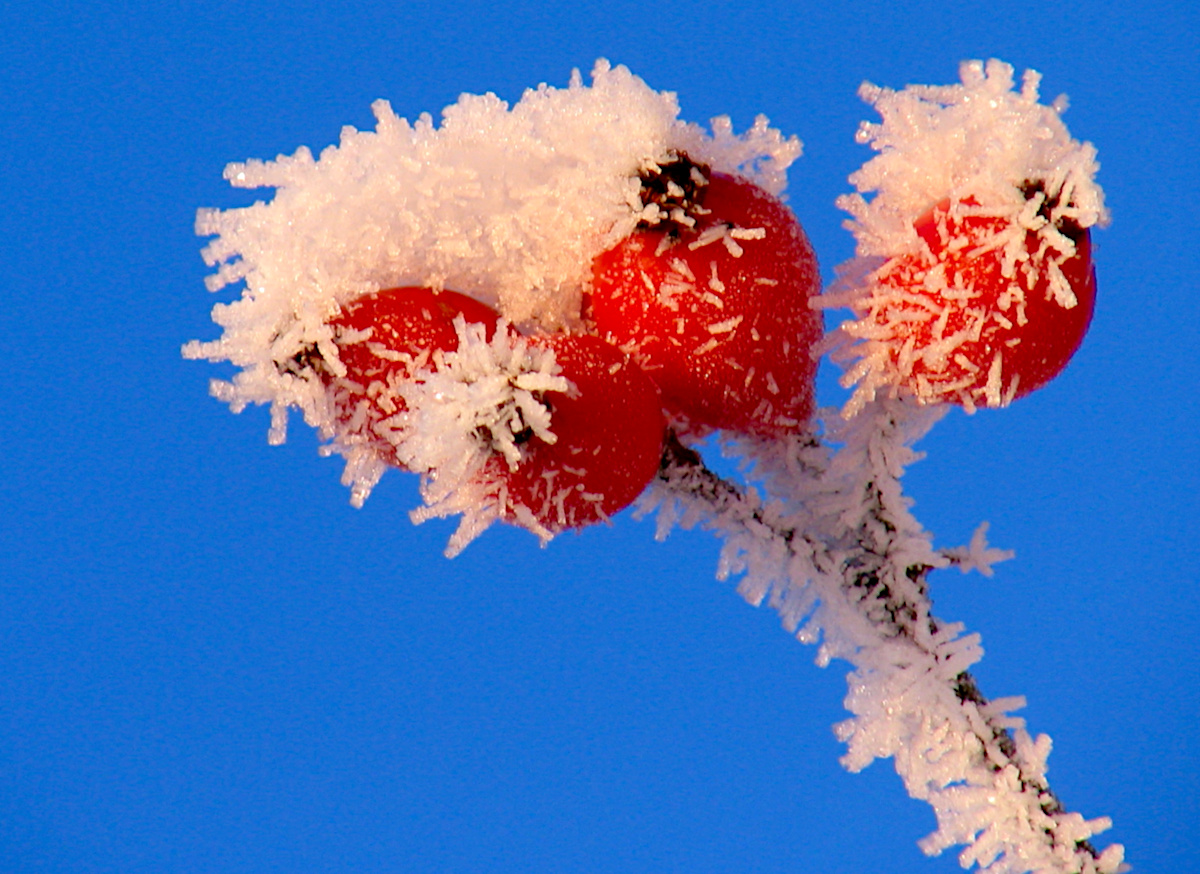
(835,550)
(468,410)
(981,151)
(978,139)
(510,205)
(506,204)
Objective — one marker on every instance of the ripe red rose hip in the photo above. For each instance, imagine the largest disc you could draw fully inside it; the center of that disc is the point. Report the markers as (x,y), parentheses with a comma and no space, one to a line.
(713,302)
(382,338)
(989,311)
(609,432)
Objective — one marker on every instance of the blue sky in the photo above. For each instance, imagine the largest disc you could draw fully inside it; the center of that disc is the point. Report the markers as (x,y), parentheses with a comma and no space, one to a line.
(211,662)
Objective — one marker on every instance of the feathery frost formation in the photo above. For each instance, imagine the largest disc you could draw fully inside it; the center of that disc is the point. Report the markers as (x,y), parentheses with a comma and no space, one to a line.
(1000,163)
(507,205)
(979,138)
(511,206)
(484,386)
(834,549)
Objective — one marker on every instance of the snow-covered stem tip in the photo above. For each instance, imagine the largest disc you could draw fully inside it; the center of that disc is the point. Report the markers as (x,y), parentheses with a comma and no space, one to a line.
(835,550)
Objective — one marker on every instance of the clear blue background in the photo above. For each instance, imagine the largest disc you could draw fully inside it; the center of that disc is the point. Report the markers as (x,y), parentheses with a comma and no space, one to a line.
(210,663)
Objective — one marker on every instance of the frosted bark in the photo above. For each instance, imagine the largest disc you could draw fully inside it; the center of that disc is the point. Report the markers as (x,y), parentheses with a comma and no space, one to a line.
(834,549)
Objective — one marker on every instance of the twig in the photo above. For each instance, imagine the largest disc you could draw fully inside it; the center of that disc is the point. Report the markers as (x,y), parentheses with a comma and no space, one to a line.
(840,555)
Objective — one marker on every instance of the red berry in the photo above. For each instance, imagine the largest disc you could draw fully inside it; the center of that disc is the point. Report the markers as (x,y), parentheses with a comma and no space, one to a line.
(609,432)
(957,328)
(406,326)
(717,313)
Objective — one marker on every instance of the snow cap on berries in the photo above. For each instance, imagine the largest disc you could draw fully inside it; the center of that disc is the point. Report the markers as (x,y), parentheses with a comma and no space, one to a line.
(972,282)
(981,140)
(507,204)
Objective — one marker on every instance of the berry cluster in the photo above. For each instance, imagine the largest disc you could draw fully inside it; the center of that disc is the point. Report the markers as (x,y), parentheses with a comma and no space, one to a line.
(699,320)
(620,307)
(628,277)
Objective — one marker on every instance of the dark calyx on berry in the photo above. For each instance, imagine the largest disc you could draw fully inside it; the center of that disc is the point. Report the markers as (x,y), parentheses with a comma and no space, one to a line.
(676,186)
(1068,227)
(308,358)
(522,435)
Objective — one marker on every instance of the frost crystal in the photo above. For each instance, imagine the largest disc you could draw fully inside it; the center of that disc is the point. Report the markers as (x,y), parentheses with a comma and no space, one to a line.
(979,139)
(511,205)
(472,407)
(977,166)
(836,551)
(506,204)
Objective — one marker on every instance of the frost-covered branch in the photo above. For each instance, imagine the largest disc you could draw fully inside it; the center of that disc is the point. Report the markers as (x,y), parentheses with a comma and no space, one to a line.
(841,558)
(567,218)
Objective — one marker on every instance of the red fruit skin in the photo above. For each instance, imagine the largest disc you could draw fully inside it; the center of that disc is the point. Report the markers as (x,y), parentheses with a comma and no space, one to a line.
(1043,334)
(610,432)
(408,325)
(756,378)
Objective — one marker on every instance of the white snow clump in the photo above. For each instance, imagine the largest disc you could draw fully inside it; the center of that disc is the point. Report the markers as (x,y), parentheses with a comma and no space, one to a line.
(509,205)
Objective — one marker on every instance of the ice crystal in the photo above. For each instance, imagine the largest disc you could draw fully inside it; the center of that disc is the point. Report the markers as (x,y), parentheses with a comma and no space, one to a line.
(506,204)
(476,404)
(510,206)
(993,176)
